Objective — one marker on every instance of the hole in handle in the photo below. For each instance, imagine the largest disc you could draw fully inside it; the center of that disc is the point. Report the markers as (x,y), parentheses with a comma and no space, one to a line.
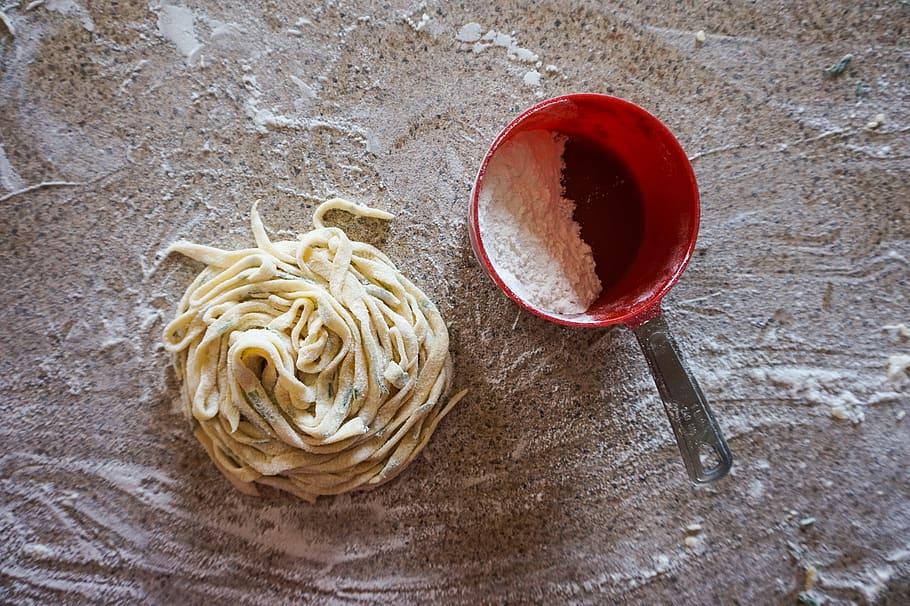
(710,458)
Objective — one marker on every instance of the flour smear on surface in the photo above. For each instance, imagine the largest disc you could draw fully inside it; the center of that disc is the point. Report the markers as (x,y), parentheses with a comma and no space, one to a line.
(527,226)
(557,418)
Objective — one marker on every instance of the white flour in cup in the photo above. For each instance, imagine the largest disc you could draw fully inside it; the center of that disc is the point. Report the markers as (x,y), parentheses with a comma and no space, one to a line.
(527,227)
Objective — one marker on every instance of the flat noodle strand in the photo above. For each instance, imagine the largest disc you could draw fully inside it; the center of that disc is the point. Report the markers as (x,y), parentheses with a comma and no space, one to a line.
(312,366)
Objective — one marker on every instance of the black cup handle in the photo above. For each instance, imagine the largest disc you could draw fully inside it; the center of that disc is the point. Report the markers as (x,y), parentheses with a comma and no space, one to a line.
(704,450)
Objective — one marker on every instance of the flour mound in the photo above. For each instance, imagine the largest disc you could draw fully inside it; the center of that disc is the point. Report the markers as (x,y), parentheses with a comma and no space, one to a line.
(527,227)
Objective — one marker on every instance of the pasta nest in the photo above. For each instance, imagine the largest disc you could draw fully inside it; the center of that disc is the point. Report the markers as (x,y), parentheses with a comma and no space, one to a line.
(313,365)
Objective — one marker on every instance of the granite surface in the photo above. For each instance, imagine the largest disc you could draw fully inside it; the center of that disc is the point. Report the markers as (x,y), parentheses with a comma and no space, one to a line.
(557,479)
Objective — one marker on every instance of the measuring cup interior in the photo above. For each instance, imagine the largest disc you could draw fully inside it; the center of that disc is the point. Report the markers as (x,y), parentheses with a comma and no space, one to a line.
(666,190)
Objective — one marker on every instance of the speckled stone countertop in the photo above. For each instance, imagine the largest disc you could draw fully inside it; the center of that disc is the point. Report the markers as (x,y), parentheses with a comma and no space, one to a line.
(557,479)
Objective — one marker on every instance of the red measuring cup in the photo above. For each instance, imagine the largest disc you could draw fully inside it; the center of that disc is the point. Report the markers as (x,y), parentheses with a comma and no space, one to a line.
(639,212)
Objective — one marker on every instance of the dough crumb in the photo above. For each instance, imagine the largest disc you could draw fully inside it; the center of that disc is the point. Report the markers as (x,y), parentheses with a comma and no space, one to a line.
(897,367)
(900,330)
(876,122)
(811,576)
(840,413)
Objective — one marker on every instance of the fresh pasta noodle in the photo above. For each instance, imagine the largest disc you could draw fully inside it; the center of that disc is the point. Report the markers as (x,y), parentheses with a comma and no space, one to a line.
(313,366)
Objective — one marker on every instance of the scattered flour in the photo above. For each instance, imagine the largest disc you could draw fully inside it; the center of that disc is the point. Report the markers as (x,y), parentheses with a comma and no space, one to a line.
(814,385)
(222,30)
(259,534)
(418,24)
(69,7)
(528,230)
(265,119)
(469,32)
(897,367)
(513,50)
(845,393)
(8,24)
(472,38)
(9,178)
(177,24)
(419,20)
(868,583)
(132,76)
(900,330)
(307,91)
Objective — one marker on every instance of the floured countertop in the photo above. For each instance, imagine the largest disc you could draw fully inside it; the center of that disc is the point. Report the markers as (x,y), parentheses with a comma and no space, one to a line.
(557,479)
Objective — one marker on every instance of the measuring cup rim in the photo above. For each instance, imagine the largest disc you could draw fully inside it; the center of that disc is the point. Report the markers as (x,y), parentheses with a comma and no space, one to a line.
(638,312)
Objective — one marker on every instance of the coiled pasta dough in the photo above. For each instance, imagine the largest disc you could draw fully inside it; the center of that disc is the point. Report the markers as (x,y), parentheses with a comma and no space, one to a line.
(314,365)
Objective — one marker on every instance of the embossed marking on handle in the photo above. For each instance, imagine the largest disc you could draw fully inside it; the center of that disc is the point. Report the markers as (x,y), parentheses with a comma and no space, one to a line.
(704,450)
